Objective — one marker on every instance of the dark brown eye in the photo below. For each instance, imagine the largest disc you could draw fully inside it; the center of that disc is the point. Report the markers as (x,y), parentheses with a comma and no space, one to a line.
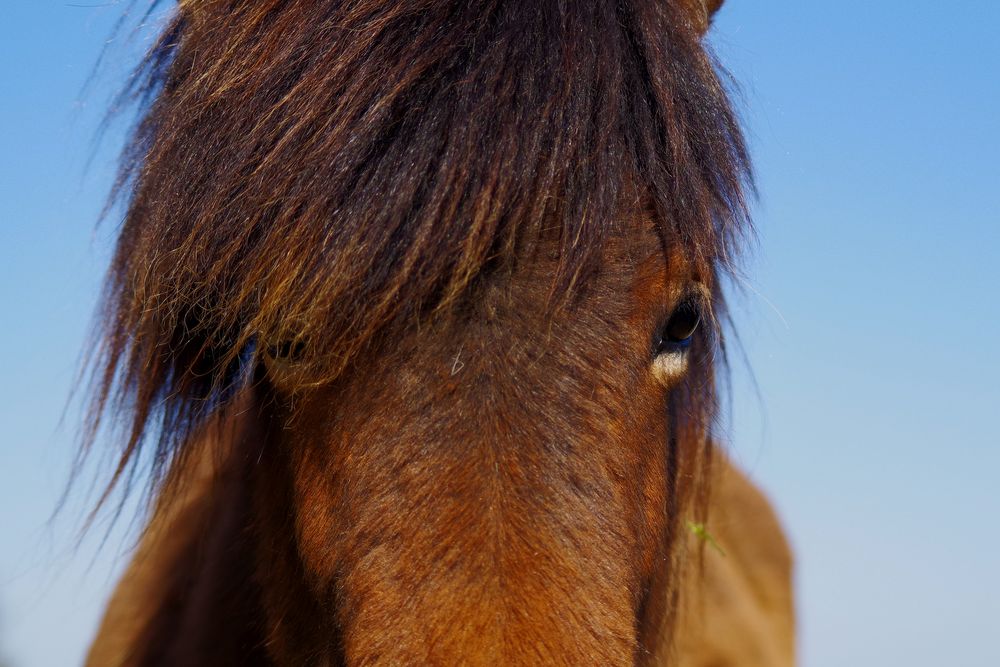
(679,330)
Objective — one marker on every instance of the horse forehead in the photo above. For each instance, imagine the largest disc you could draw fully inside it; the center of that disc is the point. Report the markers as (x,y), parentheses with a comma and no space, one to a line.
(508,337)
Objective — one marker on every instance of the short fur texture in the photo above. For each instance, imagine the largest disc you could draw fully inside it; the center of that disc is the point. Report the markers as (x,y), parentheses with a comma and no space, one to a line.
(430,244)
(736,607)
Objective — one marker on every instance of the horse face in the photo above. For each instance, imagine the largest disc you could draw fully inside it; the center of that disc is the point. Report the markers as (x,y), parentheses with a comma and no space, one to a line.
(380,212)
(493,486)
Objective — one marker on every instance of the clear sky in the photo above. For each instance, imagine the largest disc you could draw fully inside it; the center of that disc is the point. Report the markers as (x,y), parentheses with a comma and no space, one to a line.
(869,317)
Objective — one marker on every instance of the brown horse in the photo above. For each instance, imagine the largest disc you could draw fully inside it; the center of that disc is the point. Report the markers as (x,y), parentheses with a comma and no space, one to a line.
(415,313)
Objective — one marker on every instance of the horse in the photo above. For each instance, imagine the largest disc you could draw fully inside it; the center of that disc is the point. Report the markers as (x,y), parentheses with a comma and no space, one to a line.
(415,326)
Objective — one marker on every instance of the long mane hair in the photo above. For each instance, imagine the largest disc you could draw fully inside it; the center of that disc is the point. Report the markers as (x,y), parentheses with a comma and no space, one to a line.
(333,170)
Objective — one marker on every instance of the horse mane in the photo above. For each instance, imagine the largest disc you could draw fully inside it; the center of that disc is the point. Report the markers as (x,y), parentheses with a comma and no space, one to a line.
(333,170)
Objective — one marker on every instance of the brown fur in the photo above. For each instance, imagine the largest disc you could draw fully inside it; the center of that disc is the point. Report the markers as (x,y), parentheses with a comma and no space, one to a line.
(737,607)
(433,245)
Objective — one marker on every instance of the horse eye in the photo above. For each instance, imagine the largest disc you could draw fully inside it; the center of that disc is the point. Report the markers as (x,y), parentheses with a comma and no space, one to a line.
(679,330)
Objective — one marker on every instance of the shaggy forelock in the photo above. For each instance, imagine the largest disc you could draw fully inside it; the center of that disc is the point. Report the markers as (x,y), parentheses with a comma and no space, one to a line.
(331,170)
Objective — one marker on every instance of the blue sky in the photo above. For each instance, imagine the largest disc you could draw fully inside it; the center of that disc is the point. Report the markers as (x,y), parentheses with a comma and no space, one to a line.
(869,317)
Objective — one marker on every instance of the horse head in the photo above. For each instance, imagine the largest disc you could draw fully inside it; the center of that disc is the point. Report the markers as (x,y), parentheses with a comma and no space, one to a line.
(460,266)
